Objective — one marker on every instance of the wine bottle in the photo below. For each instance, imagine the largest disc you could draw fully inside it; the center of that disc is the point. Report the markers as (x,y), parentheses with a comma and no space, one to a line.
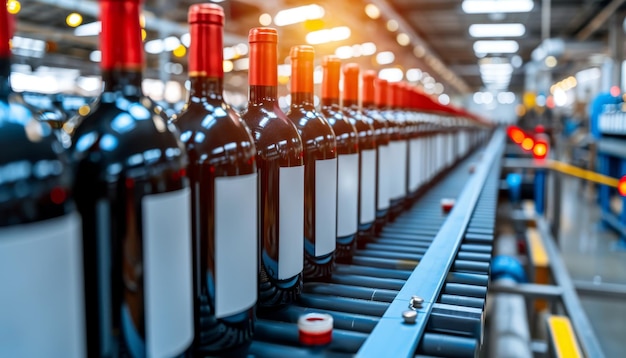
(41,304)
(367,151)
(347,161)
(280,166)
(134,198)
(371,86)
(223,177)
(320,168)
(398,149)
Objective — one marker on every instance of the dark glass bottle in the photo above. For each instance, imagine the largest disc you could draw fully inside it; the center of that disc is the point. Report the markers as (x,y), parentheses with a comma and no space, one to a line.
(398,148)
(134,198)
(320,168)
(347,161)
(223,177)
(281,177)
(41,310)
(367,151)
(373,88)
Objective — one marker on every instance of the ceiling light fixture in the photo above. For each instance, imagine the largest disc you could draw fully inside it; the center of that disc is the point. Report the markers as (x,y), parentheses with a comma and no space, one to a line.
(298,14)
(497,30)
(499,46)
(496,6)
(328,35)
(372,11)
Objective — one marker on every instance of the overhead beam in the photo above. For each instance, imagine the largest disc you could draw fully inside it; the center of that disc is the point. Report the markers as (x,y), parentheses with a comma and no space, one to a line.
(599,20)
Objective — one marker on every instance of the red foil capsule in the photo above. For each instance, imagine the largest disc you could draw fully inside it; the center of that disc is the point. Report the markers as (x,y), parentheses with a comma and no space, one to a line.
(206,26)
(351,82)
(263,56)
(121,44)
(302,58)
(368,90)
(331,66)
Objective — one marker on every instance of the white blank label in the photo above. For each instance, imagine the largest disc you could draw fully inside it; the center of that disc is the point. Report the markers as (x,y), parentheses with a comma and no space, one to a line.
(383,178)
(368,186)
(235,244)
(290,222)
(347,194)
(398,154)
(41,289)
(167,272)
(325,206)
(414,164)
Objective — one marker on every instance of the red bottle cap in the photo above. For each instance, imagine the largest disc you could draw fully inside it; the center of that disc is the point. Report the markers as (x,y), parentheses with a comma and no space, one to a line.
(206,26)
(447,204)
(6,31)
(381,89)
(351,82)
(331,66)
(263,57)
(120,39)
(315,329)
(302,58)
(368,91)
(206,13)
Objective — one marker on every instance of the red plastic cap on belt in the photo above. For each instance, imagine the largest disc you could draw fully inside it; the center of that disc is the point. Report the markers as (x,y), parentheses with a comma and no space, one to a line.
(120,39)
(368,89)
(381,89)
(315,329)
(302,58)
(263,56)
(206,26)
(331,66)
(351,82)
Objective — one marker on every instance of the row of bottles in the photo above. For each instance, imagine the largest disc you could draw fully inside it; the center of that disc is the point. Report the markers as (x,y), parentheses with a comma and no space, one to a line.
(157,236)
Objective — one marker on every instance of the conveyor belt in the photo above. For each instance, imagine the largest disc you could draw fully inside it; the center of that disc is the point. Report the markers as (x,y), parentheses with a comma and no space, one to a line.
(360,294)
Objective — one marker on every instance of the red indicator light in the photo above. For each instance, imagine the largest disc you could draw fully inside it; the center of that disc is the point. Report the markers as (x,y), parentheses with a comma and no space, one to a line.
(621,186)
(517,135)
(528,143)
(540,150)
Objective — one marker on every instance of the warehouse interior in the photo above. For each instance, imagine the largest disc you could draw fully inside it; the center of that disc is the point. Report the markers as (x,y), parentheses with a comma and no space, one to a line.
(555,72)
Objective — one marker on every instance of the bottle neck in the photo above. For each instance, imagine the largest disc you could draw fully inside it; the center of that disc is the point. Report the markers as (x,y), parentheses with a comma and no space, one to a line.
(126,82)
(202,87)
(330,102)
(302,99)
(5,84)
(369,105)
(351,104)
(120,39)
(260,95)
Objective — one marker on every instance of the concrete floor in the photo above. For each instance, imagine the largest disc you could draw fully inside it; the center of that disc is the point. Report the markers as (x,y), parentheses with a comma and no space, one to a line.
(591,254)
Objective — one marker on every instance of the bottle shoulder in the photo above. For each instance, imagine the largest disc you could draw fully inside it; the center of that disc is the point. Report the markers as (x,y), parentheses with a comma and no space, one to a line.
(126,133)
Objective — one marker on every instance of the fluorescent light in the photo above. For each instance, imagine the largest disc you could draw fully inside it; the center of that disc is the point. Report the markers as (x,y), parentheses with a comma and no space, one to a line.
(391,74)
(497,30)
(90,29)
(372,11)
(403,39)
(496,6)
(385,58)
(298,14)
(413,74)
(368,48)
(500,46)
(328,35)
(344,52)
